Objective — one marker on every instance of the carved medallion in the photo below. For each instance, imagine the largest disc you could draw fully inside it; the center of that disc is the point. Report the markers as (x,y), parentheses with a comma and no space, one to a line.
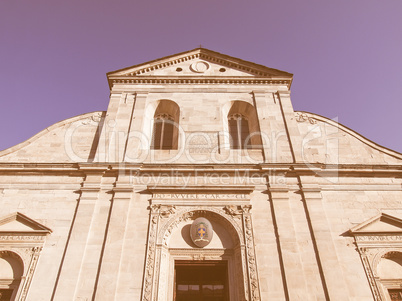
(199,67)
(201,232)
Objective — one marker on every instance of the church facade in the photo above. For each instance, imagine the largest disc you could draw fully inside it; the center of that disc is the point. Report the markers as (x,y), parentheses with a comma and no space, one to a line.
(200,182)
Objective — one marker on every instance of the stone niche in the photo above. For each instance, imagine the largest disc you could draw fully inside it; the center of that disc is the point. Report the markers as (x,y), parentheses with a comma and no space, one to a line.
(169,243)
(379,242)
(21,241)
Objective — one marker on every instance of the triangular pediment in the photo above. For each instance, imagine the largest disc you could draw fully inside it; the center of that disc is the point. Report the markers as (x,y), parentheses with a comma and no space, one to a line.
(380,224)
(200,62)
(18,222)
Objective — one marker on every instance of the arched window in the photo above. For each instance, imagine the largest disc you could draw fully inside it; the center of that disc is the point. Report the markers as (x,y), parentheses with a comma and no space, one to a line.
(243,126)
(239,131)
(165,131)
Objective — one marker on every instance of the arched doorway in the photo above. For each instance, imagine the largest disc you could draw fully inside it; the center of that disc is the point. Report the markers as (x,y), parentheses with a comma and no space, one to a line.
(208,272)
(389,273)
(11,271)
(176,268)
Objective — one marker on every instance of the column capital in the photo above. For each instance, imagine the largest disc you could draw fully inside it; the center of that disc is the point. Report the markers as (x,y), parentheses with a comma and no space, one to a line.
(284,92)
(278,188)
(260,92)
(311,191)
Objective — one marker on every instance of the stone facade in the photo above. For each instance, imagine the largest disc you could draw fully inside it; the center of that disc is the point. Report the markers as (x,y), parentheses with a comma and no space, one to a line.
(99,206)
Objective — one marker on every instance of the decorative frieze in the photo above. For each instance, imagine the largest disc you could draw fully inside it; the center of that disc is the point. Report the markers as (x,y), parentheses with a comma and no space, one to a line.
(202,81)
(370,275)
(251,261)
(237,210)
(150,257)
(233,210)
(167,210)
(31,268)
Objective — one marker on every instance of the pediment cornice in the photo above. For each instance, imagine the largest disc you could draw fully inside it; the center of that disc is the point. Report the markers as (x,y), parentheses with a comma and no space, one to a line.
(380,225)
(203,80)
(30,226)
(253,73)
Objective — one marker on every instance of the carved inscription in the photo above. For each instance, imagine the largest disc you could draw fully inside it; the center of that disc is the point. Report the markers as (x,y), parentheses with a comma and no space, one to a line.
(20,237)
(378,238)
(198,196)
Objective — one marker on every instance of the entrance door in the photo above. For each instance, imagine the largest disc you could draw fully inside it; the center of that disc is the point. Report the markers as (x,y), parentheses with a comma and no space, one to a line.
(5,294)
(201,281)
(395,294)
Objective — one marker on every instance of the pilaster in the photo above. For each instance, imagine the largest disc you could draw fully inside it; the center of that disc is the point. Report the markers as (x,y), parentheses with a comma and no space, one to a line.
(327,256)
(272,126)
(292,129)
(138,142)
(80,263)
(114,135)
(115,237)
(291,261)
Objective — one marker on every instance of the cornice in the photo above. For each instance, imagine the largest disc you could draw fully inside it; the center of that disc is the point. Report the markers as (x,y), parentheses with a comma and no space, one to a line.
(23,219)
(302,116)
(205,188)
(288,168)
(204,54)
(259,74)
(187,80)
(86,118)
(40,168)
(359,229)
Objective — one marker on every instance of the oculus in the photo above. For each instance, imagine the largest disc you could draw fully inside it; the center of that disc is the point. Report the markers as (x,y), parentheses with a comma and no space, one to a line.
(201,232)
(199,67)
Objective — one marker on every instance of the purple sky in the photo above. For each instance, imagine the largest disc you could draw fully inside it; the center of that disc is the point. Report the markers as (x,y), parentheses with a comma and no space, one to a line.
(346,55)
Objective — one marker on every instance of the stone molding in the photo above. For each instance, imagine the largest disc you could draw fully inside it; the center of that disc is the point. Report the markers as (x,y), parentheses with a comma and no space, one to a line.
(200,81)
(83,118)
(318,118)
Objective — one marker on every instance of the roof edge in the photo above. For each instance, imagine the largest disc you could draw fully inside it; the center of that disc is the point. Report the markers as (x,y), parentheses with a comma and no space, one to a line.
(50,128)
(201,51)
(355,134)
